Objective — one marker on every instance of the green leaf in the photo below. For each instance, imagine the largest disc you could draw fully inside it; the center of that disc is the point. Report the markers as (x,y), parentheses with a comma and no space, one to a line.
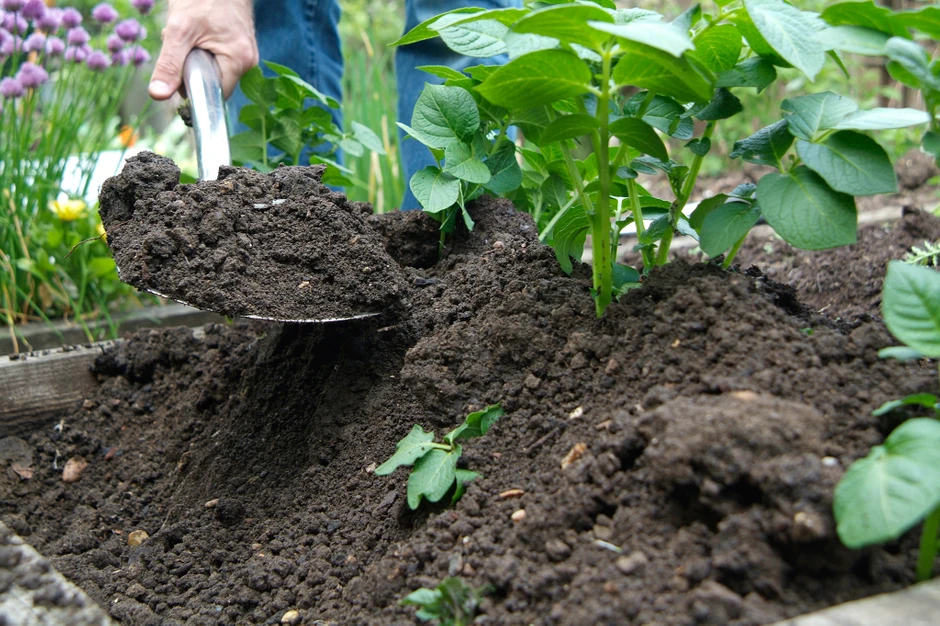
(900,353)
(705,207)
(443,114)
(926,20)
(476,424)
(537,79)
(639,135)
(803,210)
(460,162)
(687,19)
(423,30)
(663,114)
(913,60)
(866,14)
(507,16)
(430,599)
(662,73)
(567,23)
(816,112)
(505,173)
(623,275)
(463,477)
(885,494)
(722,227)
(700,147)
(854,39)
(756,72)
(309,91)
(518,44)
(765,147)
(248,147)
(653,34)
(718,47)
(367,137)
(851,163)
(257,88)
(432,476)
(926,400)
(102,266)
(568,237)
(442,71)
(931,144)
(655,231)
(723,105)
(416,444)
(627,16)
(281,70)
(479,39)
(910,303)
(434,189)
(788,31)
(569,127)
(882,119)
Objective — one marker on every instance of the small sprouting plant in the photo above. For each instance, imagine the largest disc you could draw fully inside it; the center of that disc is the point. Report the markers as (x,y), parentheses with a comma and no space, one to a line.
(927,256)
(279,117)
(453,602)
(588,138)
(435,464)
(897,485)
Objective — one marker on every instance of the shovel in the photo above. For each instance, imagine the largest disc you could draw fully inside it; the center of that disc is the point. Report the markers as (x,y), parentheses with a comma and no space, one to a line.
(209,121)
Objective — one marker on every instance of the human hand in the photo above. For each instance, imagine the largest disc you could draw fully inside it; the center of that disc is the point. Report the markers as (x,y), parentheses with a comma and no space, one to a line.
(223,27)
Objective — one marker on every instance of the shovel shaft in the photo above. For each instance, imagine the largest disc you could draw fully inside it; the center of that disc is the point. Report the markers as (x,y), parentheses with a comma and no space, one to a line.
(210,124)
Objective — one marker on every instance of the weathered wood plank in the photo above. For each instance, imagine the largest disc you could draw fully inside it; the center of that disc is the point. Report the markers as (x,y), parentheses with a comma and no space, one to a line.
(915,606)
(38,387)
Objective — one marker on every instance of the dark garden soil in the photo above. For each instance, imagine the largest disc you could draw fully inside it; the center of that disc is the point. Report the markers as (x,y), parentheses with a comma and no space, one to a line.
(278,246)
(676,458)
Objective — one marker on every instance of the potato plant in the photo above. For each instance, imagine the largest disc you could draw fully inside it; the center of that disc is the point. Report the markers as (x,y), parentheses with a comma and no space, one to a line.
(435,463)
(897,485)
(451,603)
(585,77)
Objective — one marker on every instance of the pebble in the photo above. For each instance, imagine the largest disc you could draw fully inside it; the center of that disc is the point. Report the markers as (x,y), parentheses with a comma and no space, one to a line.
(137,537)
(292,617)
(577,450)
(635,563)
(73,469)
(518,515)
(512,493)
(212,503)
(532,382)
(808,526)
(577,413)
(557,550)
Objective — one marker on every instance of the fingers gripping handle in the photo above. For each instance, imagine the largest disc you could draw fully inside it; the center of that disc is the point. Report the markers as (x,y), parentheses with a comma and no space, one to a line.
(210,124)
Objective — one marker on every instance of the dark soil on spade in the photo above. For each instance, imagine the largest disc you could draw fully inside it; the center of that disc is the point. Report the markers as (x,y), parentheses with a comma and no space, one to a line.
(713,428)
(279,246)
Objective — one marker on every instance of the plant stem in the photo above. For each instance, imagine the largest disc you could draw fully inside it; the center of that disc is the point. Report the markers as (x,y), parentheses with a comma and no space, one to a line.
(733,252)
(561,212)
(600,235)
(928,545)
(675,211)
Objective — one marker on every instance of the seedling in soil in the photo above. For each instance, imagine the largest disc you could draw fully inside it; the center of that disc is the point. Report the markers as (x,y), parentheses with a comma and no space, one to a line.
(278,118)
(565,88)
(453,602)
(435,464)
(898,484)
(927,256)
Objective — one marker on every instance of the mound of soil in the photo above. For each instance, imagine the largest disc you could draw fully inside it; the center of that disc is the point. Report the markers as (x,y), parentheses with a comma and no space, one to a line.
(676,459)
(278,245)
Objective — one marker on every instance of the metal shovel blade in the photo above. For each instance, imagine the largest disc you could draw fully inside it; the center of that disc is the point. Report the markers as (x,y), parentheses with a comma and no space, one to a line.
(203,83)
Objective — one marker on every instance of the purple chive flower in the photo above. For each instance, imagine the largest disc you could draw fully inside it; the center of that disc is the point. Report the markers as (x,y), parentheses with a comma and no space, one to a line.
(143,6)
(98,61)
(12,5)
(104,13)
(14,23)
(71,18)
(31,75)
(51,21)
(11,88)
(11,45)
(76,54)
(77,36)
(34,9)
(36,42)
(121,57)
(140,56)
(128,30)
(54,46)
(114,43)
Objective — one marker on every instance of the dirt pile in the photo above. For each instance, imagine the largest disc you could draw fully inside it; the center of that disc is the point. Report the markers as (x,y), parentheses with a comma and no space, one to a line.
(705,426)
(280,245)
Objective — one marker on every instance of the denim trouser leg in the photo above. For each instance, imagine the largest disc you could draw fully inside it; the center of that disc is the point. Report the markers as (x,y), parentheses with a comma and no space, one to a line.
(302,35)
(411,81)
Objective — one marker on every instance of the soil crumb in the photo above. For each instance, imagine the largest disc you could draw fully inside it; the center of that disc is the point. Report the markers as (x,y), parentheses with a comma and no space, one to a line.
(279,245)
(675,460)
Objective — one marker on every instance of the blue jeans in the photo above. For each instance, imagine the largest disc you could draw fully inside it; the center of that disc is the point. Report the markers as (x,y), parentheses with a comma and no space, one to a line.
(302,35)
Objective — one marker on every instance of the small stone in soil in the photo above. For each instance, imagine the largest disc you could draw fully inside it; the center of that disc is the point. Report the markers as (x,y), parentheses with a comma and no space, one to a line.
(577,450)
(635,563)
(292,617)
(137,537)
(73,469)
(518,516)
(512,493)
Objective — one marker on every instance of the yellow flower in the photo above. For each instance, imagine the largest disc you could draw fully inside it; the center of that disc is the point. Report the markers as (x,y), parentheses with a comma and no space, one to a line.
(68,210)
(101,233)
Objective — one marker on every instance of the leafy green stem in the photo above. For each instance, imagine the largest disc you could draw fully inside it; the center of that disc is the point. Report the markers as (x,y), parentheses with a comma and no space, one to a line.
(561,213)
(733,252)
(600,236)
(928,545)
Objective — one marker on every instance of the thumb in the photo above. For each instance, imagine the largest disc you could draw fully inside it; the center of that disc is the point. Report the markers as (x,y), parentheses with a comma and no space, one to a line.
(168,71)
